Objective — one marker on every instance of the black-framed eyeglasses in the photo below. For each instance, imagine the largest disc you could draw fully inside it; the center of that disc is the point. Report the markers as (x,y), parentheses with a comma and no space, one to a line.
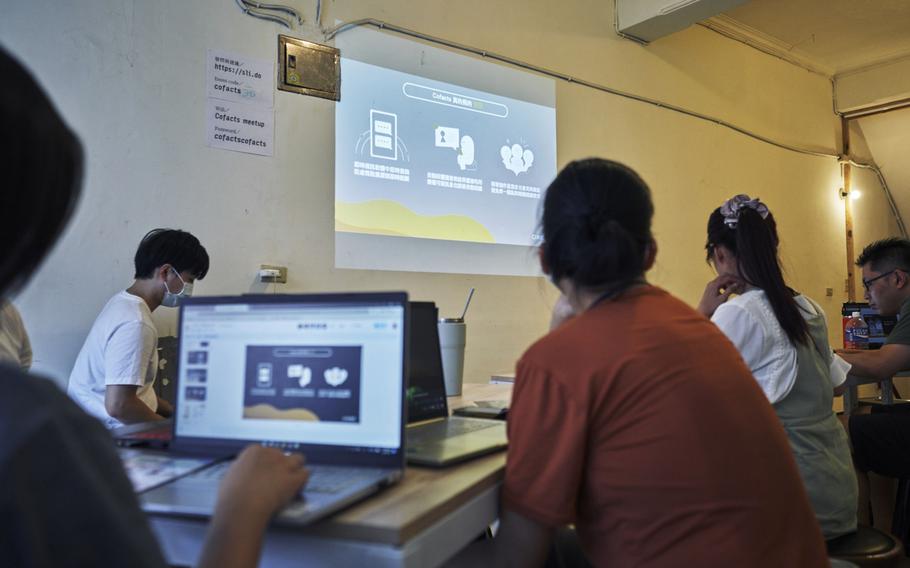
(867,283)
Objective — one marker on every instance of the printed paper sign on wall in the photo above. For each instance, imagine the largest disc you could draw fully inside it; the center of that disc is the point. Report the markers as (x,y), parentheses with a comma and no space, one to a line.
(232,77)
(240,127)
(239,108)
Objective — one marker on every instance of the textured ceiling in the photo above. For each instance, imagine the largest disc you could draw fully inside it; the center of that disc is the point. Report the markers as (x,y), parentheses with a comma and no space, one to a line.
(840,35)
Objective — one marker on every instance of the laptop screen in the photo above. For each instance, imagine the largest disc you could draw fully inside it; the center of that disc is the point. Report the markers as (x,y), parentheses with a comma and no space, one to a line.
(426,388)
(318,373)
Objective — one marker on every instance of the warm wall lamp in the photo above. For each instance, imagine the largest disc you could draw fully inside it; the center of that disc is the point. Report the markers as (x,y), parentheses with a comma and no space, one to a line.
(854,195)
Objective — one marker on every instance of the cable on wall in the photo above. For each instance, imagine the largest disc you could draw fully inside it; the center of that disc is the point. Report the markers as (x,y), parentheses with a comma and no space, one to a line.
(276,8)
(261,10)
(888,195)
(852,115)
(385,26)
(319,16)
(341,28)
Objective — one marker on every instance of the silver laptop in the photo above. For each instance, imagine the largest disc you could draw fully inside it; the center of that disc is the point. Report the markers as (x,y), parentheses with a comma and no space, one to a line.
(434,438)
(319,374)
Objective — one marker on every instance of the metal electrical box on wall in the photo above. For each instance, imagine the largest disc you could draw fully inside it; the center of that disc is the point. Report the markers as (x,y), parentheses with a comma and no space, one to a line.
(309,68)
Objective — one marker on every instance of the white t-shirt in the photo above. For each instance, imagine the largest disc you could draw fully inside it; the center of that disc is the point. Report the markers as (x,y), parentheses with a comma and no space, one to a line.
(121,349)
(15,347)
(748,320)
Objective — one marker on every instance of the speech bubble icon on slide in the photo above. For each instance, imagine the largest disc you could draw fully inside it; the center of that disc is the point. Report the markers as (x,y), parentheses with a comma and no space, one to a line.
(336,376)
(383,142)
(446,137)
(303,374)
(382,127)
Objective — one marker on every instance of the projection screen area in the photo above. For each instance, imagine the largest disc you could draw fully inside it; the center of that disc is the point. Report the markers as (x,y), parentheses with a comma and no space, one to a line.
(441,159)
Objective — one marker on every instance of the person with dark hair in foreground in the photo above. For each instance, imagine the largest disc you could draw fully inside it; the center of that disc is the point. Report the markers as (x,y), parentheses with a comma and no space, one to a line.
(114,374)
(783,338)
(64,496)
(881,441)
(15,346)
(636,420)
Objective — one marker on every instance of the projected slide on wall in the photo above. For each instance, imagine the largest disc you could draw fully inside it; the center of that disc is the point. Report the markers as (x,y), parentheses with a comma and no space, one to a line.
(426,159)
(461,160)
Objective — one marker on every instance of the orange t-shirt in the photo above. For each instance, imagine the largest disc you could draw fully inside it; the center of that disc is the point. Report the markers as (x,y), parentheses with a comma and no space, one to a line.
(639,422)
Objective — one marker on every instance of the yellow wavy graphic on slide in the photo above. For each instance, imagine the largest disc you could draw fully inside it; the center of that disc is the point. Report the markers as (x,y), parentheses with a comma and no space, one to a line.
(269,412)
(385,217)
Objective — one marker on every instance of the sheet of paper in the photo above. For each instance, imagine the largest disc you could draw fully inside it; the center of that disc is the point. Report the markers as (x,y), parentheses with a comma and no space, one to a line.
(492,403)
(240,127)
(237,78)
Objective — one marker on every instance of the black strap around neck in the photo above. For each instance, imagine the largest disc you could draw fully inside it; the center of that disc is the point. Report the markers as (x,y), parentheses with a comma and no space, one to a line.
(615,290)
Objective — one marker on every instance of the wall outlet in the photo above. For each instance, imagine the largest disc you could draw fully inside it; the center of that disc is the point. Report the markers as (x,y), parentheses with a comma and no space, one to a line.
(273,274)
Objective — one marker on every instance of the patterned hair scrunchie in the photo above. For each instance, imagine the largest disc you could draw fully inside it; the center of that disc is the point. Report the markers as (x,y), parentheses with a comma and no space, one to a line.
(732,208)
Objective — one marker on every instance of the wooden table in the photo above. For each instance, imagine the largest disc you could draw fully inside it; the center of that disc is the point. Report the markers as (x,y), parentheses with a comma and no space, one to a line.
(422,521)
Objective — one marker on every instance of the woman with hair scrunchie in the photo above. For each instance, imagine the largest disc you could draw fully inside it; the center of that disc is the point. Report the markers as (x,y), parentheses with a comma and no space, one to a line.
(783,337)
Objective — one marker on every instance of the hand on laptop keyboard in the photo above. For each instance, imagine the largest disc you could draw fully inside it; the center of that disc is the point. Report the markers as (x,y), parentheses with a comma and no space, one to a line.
(259,482)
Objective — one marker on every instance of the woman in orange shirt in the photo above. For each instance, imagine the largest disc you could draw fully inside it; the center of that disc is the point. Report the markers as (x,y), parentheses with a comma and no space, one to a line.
(636,420)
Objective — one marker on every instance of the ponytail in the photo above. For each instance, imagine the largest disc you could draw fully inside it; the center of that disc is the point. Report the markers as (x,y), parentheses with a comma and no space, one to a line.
(754,241)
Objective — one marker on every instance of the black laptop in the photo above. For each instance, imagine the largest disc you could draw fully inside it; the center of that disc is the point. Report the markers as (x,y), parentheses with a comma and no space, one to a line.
(433,437)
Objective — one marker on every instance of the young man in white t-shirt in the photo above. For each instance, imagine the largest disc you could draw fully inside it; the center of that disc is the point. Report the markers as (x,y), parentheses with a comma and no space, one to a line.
(114,374)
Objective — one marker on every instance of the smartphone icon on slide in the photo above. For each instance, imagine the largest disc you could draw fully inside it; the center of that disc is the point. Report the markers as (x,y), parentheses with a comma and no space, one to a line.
(264,375)
(383,135)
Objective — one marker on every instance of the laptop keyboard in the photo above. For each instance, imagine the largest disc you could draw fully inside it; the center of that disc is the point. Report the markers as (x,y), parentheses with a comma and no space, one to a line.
(323,479)
(457,426)
(448,429)
(330,480)
(217,471)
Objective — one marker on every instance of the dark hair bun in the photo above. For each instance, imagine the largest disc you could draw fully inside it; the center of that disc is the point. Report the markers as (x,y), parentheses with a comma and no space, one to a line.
(596,223)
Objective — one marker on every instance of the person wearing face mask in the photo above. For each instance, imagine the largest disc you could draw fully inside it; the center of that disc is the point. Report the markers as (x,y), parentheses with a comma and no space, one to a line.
(114,374)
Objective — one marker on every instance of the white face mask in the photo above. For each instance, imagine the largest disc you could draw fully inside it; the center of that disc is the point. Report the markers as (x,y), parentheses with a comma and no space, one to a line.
(172,300)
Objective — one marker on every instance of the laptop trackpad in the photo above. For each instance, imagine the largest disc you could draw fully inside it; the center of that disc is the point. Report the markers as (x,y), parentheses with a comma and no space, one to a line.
(188,495)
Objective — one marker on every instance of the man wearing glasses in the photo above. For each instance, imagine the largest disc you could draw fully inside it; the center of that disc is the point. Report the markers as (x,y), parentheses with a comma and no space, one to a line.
(881,441)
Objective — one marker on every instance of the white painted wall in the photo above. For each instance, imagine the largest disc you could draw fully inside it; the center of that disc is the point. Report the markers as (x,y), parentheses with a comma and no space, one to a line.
(129,76)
